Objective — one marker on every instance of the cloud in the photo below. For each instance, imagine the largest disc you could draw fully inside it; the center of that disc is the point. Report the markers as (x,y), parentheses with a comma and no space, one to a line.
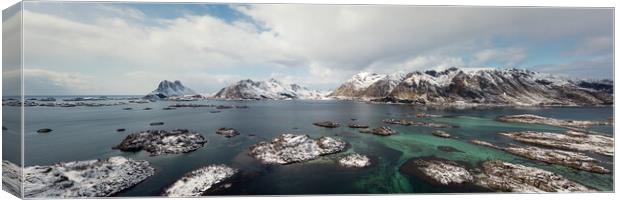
(600,67)
(40,81)
(317,45)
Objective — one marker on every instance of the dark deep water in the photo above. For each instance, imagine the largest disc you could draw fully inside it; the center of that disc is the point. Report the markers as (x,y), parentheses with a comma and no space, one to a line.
(81,133)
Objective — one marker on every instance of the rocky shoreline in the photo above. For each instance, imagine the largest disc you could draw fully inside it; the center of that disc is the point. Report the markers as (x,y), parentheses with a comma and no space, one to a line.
(160,142)
(90,178)
(508,177)
(535,119)
(291,148)
(198,182)
(438,171)
(572,140)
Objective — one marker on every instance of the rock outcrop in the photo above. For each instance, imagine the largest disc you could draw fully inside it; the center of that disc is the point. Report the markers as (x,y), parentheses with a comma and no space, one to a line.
(566,158)
(535,119)
(227,132)
(159,142)
(572,140)
(442,134)
(168,89)
(198,182)
(355,161)
(508,177)
(91,178)
(290,148)
(327,124)
(438,171)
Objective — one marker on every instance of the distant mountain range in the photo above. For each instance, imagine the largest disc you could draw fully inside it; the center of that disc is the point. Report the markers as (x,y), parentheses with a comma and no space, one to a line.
(476,86)
(269,89)
(451,86)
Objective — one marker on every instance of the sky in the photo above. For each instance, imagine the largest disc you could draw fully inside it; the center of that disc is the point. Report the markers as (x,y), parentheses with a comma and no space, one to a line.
(127,48)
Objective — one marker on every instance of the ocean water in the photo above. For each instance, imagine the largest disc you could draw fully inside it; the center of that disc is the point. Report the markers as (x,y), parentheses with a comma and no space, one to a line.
(81,133)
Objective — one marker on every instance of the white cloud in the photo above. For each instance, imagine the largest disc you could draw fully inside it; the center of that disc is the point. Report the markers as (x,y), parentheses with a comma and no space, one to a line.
(40,81)
(317,45)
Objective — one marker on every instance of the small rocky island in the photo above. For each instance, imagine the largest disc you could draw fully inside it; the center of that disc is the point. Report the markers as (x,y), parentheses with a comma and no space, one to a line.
(553,156)
(508,177)
(437,171)
(198,182)
(90,178)
(356,125)
(571,140)
(442,134)
(354,161)
(291,148)
(159,142)
(327,124)
(382,131)
(535,119)
(227,132)
(406,122)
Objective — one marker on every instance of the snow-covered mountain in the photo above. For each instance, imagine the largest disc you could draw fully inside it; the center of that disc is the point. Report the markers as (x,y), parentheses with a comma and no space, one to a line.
(269,89)
(483,86)
(167,89)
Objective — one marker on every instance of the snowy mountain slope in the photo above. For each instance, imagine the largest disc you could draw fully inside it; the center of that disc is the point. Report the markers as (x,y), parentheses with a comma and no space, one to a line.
(483,86)
(167,89)
(269,89)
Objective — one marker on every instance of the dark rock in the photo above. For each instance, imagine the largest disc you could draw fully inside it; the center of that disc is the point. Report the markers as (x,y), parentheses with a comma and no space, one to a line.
(215,111)
(147,108)
(449,149)
(354,125)
(159,142)
(327,124)
(227,132)
(44,130)
(383,131)
(156,123)
(120,130)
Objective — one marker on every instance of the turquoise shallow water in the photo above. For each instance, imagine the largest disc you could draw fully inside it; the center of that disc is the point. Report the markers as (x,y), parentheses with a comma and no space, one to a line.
(89,132)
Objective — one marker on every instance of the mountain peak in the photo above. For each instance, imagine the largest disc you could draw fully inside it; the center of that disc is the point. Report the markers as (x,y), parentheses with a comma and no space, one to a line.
(267,89)
(168,88)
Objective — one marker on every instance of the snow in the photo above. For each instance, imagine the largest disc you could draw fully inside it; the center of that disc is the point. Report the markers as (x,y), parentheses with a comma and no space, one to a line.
(197,182)
(291,148)
(364,80)
(90,178)
(172,89)
(269,89)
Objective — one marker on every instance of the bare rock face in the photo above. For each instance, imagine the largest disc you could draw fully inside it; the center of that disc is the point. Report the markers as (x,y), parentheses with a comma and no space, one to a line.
(159,142)
(535,119)
(91,178)
(572,140)
(290,148)
(438,171)
(509,177)
(198,182)
(355,161)
(570,159)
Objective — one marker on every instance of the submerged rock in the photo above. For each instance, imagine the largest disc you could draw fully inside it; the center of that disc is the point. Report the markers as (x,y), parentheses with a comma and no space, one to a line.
(509,177)
(570,159)
(156,123)
(535,119)
(327,124)
(90,178)
(437,171)
(227,132)
(442,134)
(572,140)
(290,148)
(198,182)
(44,130)
(354,125)
(354,160)
(159,142)
(448,149)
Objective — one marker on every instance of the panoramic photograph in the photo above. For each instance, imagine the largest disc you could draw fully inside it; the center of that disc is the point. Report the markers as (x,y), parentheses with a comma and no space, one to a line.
(127,99)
